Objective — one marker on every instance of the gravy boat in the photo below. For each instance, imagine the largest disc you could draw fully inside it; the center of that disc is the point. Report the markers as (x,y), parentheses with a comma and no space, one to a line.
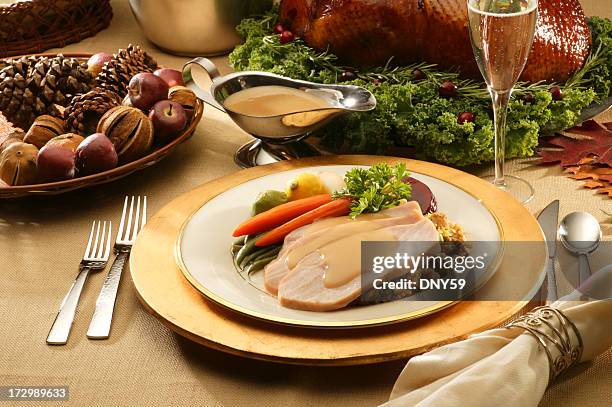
(280,129)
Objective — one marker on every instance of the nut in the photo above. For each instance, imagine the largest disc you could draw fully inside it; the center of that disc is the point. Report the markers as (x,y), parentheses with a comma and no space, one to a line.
(69,140)
(44,129)
(18,164)
(15,136)
(184,97)
(130,131)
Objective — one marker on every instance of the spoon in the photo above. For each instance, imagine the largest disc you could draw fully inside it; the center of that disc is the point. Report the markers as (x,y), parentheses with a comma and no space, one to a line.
(580,234)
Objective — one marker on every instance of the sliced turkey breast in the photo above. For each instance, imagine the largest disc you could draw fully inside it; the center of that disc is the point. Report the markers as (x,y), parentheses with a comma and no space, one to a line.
(330,278)
(307,239)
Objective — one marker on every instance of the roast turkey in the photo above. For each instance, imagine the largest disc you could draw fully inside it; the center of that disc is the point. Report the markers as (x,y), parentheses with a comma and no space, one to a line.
(370,32)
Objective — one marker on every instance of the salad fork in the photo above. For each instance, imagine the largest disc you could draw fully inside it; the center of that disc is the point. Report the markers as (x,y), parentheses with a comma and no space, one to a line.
(95,258)
(102,319)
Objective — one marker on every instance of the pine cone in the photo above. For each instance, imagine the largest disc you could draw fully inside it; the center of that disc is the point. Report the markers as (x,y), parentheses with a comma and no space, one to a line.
(34,86)
(84,111)
(117,73)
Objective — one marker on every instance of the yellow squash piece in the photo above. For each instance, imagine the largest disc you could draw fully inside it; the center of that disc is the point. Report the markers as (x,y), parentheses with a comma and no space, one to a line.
(305,185)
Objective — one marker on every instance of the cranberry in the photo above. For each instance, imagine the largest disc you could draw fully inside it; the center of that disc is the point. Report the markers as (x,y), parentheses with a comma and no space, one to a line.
(418,75)
(347,76)
(529,98)
(286,37)
(556,93)
(448,89)
(279,28)
(466,117)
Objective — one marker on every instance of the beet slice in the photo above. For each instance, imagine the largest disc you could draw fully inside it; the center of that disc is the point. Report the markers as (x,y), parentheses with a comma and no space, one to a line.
(423,195)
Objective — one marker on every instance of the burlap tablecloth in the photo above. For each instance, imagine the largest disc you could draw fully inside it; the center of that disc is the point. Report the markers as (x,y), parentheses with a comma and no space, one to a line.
(143,363)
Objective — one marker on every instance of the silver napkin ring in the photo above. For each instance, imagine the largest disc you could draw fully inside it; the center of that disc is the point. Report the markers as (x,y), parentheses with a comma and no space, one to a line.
(557,335)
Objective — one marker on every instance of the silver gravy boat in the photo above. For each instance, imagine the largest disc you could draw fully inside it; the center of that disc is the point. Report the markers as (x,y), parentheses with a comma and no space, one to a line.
(281,135)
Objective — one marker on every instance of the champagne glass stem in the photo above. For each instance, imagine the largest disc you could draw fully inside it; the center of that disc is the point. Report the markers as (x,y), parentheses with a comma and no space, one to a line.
(500,114)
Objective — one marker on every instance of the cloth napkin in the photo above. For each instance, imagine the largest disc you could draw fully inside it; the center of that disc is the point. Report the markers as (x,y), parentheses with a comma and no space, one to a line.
(502,367)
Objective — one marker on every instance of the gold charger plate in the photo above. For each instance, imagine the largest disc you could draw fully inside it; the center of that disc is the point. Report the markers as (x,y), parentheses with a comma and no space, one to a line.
(165,292)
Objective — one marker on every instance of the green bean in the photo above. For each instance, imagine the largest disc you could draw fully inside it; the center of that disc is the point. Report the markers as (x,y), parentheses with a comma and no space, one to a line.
(259,254)
(240,241)
(247,249)
(259,264)
(253,256)
(273,251)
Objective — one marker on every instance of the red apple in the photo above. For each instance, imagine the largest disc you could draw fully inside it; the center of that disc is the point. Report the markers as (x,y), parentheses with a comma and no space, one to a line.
(171,76)
(97,61)
(55,163)
(96,154)
(169,119)
(146,89)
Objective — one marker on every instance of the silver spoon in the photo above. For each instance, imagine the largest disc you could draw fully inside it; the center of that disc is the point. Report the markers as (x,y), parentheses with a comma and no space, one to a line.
(580,234)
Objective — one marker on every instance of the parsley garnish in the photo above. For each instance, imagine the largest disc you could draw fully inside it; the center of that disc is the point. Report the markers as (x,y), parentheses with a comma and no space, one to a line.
(376,188)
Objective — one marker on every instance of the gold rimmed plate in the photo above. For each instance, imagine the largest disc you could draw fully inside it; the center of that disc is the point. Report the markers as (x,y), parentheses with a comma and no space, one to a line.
(202,253)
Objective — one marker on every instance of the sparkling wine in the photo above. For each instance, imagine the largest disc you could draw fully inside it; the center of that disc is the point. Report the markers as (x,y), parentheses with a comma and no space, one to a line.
(502,34)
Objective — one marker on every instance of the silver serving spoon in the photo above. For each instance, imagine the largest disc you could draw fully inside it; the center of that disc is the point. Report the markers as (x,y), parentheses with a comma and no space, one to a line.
(580,234)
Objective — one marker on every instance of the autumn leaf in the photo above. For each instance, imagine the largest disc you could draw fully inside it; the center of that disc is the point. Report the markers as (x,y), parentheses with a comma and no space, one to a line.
(607,190)
(594,173)
(591,141)
(594,184)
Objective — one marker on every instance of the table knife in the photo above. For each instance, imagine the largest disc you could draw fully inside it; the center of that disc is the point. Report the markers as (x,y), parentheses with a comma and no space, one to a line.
(549,219)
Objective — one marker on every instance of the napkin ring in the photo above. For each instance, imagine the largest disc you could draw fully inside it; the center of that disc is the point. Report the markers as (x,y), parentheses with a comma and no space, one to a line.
(557,335)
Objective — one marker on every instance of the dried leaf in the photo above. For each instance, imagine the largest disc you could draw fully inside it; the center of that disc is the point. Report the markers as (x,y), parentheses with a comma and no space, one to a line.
(594,184)
(572,170)
(607,190)
(571,151)
(587,160)
(595,173)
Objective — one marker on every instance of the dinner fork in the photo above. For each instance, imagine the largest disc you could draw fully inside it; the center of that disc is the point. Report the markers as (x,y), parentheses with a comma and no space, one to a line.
(95,258)
(100,325)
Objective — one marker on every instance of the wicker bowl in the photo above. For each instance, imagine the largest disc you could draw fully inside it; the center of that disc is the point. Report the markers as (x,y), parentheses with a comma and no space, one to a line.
(36,25)
(55,188)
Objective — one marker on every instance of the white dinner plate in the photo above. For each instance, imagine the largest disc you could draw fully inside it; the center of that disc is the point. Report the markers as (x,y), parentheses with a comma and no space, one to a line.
(203,254)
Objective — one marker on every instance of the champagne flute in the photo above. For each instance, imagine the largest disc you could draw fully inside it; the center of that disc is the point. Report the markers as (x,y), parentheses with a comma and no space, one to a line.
(501,32)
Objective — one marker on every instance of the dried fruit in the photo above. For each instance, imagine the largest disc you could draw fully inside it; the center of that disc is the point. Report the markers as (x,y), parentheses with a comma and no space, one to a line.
(70,141)
(18,164)
(84,112)
(184,97)
(130,131)
(15,136)
(44,129)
